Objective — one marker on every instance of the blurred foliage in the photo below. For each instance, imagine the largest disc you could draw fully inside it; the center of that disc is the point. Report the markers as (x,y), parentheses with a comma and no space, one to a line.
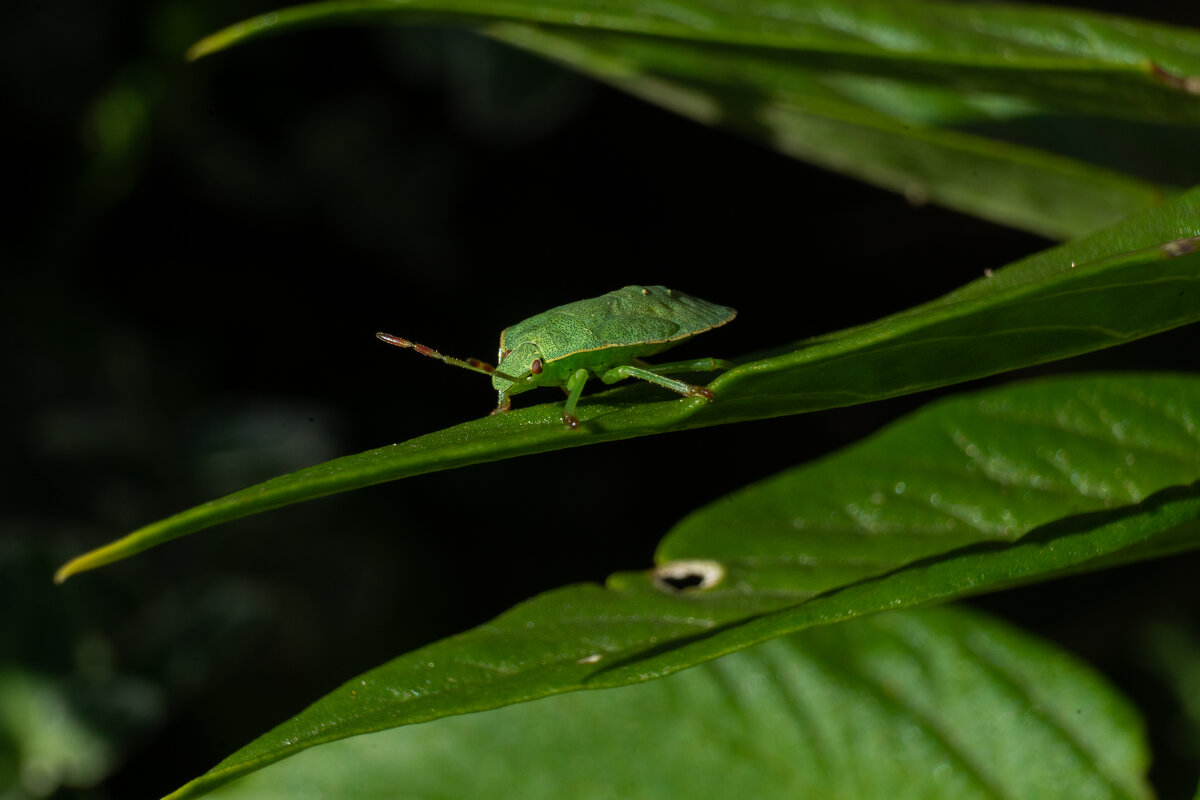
(46,745)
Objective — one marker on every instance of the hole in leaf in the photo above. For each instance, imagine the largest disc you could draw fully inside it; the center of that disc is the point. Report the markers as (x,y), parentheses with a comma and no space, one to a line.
(690,575)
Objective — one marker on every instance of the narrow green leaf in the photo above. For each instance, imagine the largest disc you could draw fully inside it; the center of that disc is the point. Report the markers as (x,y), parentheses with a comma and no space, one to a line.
(969,495)
(941,703)
(904,94)
(1078,297)
(1098,63)
(875,129)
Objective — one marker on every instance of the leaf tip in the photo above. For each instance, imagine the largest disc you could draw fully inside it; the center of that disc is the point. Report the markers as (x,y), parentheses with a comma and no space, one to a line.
(72,567)
(227,37)
(114,551)
(206,46)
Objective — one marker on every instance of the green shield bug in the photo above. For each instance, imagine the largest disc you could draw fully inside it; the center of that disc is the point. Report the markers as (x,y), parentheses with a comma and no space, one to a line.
(606,336)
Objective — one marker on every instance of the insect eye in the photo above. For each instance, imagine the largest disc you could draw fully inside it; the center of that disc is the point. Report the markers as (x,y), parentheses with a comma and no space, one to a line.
(536,366)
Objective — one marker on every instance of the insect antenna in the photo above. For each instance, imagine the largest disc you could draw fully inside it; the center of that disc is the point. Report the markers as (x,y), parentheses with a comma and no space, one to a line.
(473,364)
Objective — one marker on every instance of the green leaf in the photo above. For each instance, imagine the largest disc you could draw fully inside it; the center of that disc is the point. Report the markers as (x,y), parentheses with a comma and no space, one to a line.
(1012,47)
(966,496)
(882,130)
(940,703)
(1075,298)
(903,94)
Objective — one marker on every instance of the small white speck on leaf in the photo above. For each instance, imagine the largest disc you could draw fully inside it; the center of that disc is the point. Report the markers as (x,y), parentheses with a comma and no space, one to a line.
(1181,247)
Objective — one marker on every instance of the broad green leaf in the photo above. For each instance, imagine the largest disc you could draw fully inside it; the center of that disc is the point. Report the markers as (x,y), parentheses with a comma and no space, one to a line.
(904,93)
(1075,298)
(968,495)
(941,703)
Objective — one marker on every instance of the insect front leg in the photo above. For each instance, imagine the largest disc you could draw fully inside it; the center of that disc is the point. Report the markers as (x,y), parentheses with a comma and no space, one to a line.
(504,403)
(574,389)
(629,371)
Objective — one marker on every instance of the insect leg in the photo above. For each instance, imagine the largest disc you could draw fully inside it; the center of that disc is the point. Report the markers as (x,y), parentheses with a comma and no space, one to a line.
(504,403)
(699,365)
(574,389)
(629,371)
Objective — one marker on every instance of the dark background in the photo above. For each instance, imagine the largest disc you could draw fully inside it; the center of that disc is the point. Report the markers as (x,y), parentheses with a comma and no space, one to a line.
(196,258)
